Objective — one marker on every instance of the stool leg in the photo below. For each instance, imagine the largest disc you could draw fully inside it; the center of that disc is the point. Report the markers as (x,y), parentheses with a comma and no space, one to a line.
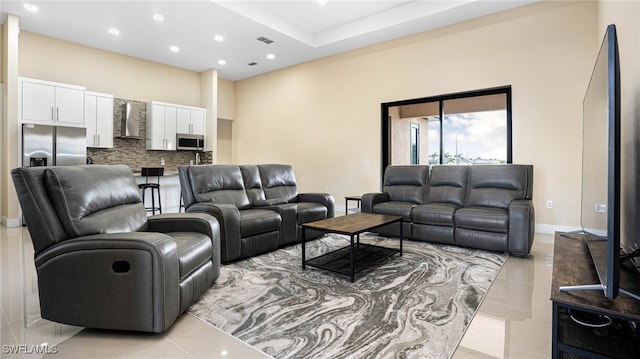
(143,202)
(153,203)
(159,202)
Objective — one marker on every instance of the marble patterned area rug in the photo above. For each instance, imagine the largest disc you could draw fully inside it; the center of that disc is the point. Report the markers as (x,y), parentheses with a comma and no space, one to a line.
(417,305)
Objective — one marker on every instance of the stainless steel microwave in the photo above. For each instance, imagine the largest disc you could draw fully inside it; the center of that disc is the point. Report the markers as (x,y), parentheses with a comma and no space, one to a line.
(189,142)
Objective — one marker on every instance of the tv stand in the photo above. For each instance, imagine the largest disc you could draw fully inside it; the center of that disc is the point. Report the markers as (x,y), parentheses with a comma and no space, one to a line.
(599,287)
(572,266)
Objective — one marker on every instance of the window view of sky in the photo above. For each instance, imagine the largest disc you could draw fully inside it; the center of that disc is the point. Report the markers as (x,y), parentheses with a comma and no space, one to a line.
(475,137)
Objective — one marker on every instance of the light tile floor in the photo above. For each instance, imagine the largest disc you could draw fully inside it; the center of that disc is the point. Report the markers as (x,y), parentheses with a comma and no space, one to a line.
(514,321)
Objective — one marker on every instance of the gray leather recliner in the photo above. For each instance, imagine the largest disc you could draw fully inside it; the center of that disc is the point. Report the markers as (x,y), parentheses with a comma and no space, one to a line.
(101,262)
(404,187)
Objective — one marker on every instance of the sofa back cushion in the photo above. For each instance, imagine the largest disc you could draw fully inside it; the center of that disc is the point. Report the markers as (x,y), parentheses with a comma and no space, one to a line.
(42,220)
(252,183)
(498,185)
(221,184)
(95,199)
(448,184)
(406,183)
(278,182)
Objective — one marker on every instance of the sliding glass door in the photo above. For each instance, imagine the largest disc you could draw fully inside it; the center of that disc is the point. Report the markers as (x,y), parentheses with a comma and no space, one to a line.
(464,128)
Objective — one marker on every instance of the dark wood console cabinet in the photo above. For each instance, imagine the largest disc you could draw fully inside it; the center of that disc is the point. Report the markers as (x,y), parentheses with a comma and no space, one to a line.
(572,265)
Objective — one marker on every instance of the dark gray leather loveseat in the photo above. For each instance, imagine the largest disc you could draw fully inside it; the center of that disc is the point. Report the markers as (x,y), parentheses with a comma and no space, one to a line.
(258,206)
(480,206)
(101,263)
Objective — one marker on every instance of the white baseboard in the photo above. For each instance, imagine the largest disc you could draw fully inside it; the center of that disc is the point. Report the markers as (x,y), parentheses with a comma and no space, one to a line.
(11,222)
(551,228)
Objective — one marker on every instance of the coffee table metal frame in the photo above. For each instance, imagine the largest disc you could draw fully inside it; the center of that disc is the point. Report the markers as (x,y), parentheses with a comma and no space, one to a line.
(366,255)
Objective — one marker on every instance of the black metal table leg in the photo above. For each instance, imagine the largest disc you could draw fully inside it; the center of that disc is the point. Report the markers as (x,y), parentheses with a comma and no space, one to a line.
(304,230)
(353,261)
(401,236)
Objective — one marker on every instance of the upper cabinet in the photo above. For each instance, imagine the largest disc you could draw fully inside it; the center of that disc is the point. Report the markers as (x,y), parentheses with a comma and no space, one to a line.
(99,119)
(161,126)
(190,120)
(165,120)
(51,103)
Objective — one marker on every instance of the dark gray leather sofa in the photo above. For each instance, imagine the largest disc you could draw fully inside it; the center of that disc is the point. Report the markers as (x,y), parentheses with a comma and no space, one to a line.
(101,263)
(258,206)
(479,206)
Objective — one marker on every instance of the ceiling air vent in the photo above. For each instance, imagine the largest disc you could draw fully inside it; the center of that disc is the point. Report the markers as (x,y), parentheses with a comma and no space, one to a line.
(253,63)
(266,40)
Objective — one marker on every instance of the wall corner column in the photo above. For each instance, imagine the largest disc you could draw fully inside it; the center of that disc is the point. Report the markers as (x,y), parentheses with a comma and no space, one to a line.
(9,121)
(209,100)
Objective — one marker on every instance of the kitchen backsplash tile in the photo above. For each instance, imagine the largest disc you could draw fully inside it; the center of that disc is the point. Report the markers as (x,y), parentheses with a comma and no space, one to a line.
(134,152)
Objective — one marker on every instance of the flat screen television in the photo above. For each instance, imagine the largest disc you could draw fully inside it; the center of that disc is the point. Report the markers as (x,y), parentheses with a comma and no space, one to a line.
(601,182)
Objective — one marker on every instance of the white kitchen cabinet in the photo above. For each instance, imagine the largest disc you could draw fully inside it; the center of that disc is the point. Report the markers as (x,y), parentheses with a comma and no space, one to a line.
(161,126)
(191,120)
(99,119)
(51,103)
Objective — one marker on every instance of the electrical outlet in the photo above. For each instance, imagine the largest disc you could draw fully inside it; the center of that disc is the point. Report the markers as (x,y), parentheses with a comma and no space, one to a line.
(549,204)
(600,208)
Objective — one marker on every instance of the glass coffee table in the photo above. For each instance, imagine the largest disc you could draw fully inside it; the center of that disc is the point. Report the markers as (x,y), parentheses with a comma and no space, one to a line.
(357,256)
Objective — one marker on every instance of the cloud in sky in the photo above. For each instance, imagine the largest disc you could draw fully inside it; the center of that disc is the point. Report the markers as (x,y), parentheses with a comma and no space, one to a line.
(477,134)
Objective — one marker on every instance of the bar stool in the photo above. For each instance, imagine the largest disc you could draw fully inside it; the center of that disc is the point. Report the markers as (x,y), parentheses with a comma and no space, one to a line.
(154,187)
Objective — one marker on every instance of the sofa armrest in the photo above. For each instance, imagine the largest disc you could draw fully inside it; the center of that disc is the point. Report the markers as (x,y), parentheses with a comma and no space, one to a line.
(228,217)
(521,227)
(189,222)
(260,203)
(371,199)
(111,281)
(324,199)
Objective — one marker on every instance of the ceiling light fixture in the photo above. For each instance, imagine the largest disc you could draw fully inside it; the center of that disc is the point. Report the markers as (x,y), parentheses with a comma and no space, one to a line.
(222,62)
(158,17)
(323,2)
(219,38)
(114,31)
(31,7)
(174,48)
(271,56)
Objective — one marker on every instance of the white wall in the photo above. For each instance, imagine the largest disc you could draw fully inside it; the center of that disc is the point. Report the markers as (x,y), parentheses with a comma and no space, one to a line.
(323,117)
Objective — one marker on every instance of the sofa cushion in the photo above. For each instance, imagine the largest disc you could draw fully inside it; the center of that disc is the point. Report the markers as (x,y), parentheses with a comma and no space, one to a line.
(257,221)
(488,219)
(447,184)
(253,184)
(95,199)
(278,181)
(310,211)
(406,183)
(439,214)
(194,249)
(498,185)
(395,209)
(219,184)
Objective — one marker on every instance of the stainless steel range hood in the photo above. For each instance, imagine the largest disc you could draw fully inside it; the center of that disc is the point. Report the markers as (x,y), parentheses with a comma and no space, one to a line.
(131,120)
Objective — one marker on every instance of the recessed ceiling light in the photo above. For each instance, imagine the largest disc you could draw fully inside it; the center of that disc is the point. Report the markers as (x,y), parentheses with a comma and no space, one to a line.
(271,56)
(323,2)
(219,38)
(222,62)
(114,31)
(31,7)
(158,17)
(174,48)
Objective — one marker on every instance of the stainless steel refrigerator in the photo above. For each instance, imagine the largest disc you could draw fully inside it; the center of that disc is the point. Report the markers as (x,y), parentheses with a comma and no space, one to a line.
(44,145)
